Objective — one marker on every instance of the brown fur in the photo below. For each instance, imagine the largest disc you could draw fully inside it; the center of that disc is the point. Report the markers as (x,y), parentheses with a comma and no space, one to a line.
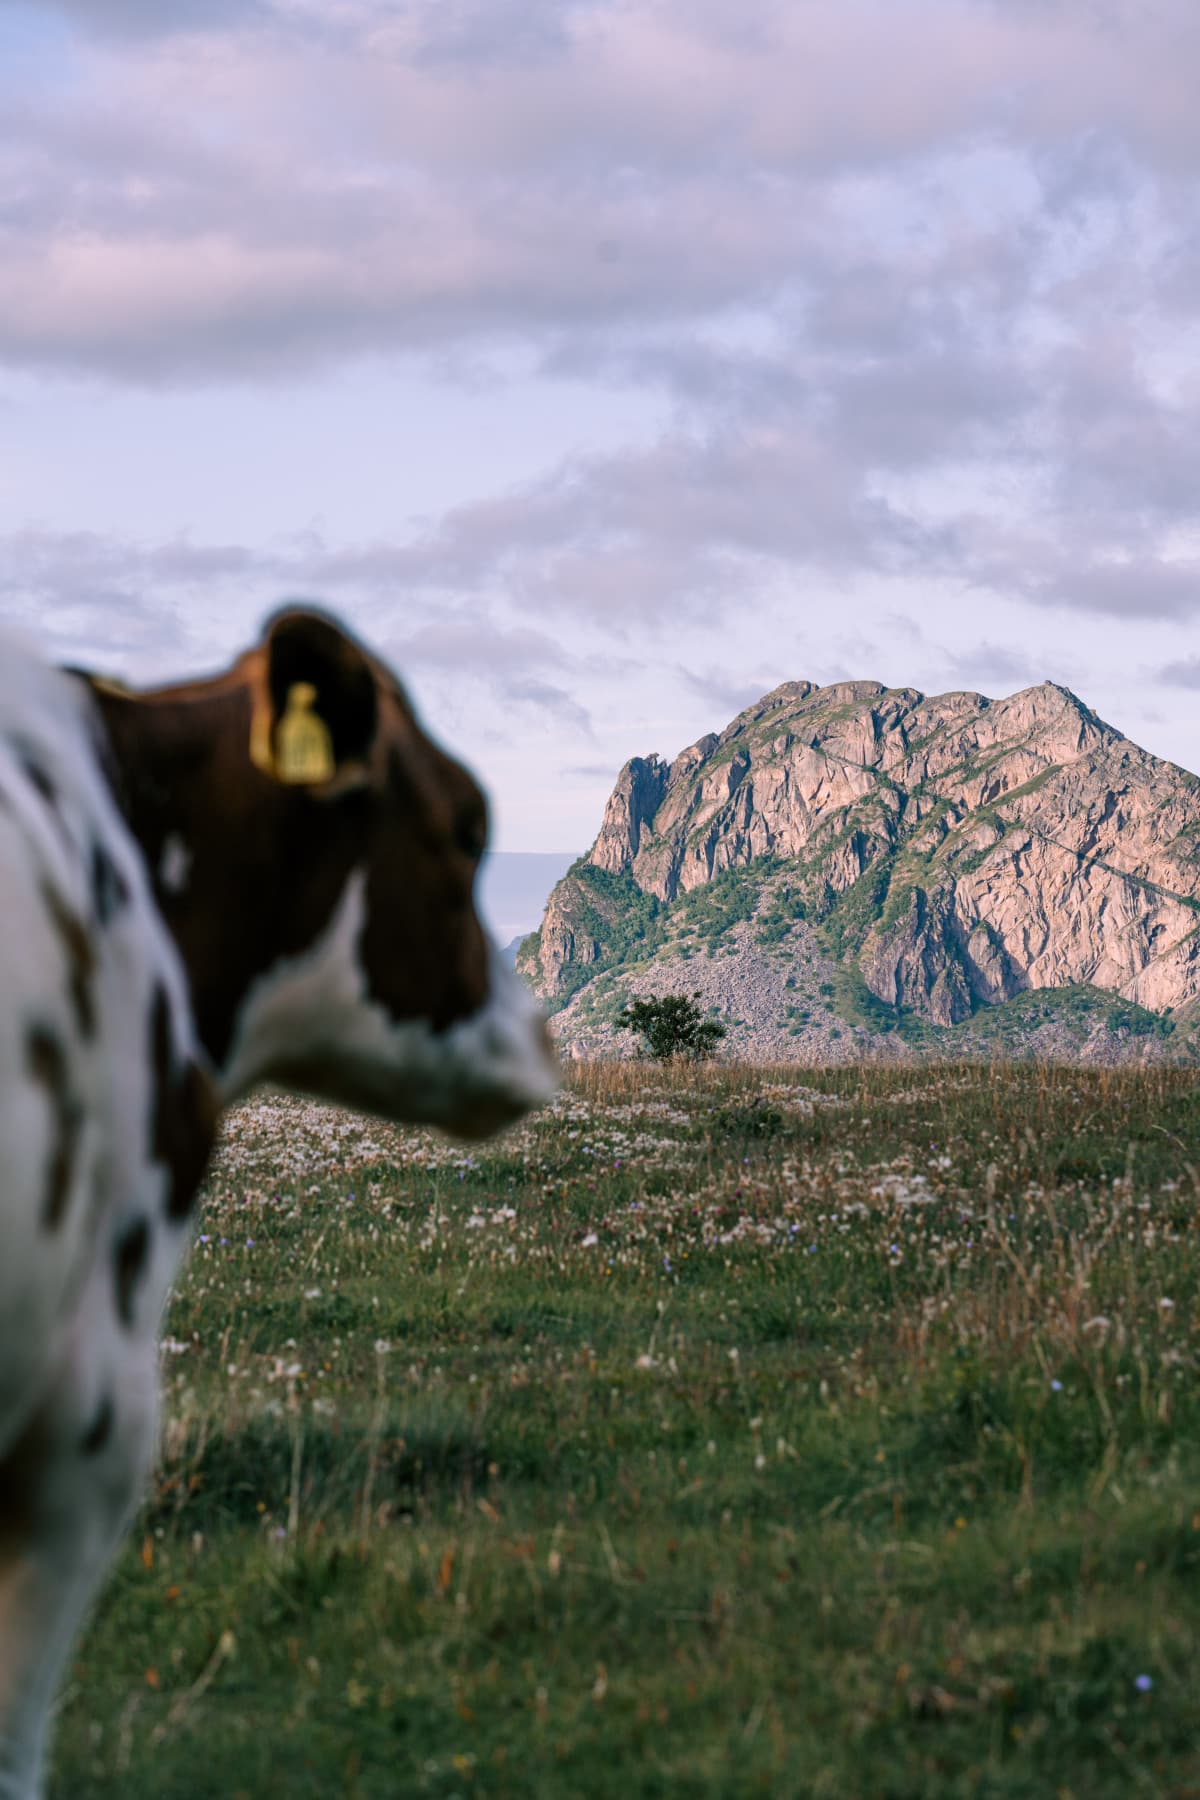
(269,862)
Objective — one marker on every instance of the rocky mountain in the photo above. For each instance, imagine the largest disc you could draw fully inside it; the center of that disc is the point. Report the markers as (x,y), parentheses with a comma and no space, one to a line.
(931,860)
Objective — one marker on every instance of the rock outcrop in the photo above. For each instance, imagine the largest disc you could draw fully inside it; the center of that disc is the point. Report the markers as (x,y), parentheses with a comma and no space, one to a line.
(953,852)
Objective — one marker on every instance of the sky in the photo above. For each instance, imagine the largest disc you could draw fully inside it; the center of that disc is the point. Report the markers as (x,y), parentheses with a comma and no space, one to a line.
(605,363)
(514,887)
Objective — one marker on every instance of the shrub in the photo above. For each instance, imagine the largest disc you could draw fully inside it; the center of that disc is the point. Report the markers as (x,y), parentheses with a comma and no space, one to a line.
(672,1025)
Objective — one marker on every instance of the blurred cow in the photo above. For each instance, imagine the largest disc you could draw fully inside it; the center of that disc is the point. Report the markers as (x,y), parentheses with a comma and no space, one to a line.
(264,875)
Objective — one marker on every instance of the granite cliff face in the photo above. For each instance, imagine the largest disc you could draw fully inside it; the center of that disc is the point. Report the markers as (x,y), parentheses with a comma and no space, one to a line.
(952,852)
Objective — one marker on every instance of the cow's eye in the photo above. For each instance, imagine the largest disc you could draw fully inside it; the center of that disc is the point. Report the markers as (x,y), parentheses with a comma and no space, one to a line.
(471,838)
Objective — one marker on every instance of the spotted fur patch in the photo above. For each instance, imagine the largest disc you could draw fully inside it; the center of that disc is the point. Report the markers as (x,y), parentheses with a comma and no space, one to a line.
(184,1116)
(36,776)
(46,1062)
(80,955)
(99,1431)
(129,1264)
(110,890)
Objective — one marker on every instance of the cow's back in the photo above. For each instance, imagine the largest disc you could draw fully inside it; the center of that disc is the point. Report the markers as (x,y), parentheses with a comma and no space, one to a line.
(83,955)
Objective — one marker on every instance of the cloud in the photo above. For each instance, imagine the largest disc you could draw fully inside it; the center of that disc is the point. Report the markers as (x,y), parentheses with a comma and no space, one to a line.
(1184,673)
(921,311)
(727,696)
(545,697)
(398,177)
(474,33)
(158,18)
(475,642)
(994,668)
(97,600)
(1142,588)
(155,609)
(625,538)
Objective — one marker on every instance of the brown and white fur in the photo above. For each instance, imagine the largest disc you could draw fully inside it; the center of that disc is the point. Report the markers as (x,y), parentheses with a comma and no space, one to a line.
(179,919)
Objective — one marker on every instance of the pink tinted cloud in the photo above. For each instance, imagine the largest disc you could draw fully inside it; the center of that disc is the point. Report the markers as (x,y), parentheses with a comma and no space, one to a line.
(960,224)
(322,184)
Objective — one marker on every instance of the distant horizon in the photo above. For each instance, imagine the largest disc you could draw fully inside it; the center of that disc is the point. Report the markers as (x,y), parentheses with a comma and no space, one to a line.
(514,887)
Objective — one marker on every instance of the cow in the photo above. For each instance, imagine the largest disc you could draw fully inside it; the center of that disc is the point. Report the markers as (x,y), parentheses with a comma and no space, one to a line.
(264,875)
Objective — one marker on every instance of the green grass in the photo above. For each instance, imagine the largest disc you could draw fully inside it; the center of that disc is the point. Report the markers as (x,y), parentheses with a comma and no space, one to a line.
(722,1432)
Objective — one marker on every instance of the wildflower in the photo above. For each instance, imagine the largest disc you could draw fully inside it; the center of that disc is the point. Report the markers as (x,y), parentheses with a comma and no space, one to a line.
(1056,1387)
(1144,1683)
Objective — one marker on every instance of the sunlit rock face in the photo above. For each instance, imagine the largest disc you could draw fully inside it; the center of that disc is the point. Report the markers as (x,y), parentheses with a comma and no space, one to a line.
(960,850)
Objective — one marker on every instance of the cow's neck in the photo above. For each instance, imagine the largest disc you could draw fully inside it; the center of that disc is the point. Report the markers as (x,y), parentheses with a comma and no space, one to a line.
(228,851)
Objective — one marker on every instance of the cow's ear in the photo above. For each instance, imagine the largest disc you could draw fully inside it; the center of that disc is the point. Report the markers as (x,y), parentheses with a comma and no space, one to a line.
(315,711)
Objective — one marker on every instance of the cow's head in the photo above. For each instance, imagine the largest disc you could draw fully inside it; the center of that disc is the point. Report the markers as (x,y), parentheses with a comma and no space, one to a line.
(314,854)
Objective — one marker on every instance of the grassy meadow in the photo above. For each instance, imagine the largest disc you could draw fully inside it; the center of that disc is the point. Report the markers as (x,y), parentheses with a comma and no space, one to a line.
(790,1432)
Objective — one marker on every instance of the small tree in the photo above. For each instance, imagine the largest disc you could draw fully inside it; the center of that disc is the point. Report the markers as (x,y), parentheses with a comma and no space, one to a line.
(672,1025)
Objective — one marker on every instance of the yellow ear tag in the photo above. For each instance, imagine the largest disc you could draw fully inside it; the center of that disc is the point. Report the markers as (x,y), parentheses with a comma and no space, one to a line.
(303,746)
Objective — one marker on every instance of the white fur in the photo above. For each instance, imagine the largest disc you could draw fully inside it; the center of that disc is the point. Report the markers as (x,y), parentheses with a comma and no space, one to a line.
(62,1349)
(315,1009)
